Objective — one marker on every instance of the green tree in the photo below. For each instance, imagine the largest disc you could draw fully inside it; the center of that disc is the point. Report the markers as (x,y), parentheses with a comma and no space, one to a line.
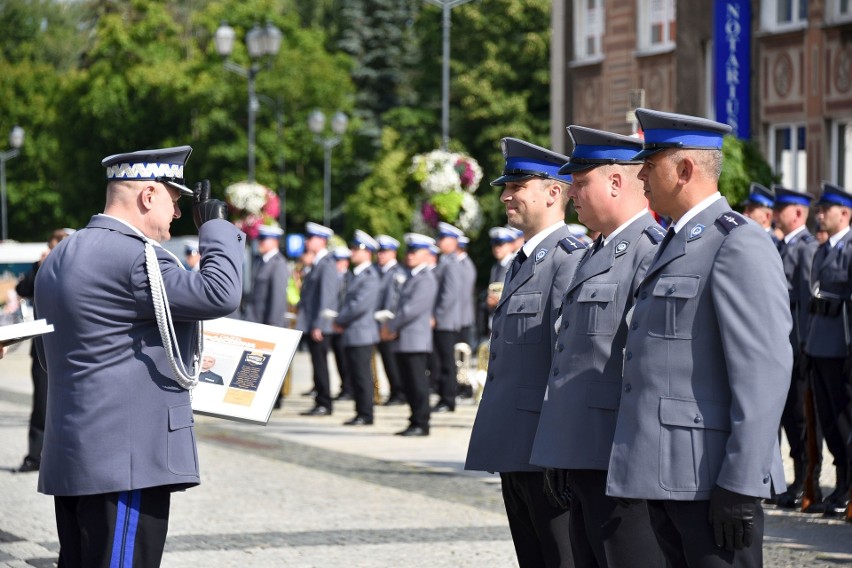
(742,165)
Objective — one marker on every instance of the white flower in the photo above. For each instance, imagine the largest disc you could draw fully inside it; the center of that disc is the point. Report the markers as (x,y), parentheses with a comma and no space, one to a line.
(470,217)
(248,197)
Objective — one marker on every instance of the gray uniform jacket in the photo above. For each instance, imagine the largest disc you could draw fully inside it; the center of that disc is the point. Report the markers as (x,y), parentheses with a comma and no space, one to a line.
(581,402)
(522,344)
(448,303)
(467,282)
(797,256)
(832,274)
(413,318)
(359,305)
(116,420)
(320,290)
(498,272)
(391,283)
(268,301)
(707,366)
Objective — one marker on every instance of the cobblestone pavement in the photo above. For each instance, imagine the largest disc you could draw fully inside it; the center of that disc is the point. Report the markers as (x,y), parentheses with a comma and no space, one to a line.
(308,492)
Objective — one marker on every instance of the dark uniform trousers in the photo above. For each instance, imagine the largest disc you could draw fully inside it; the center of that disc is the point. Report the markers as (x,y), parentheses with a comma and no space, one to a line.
(413,369)
(113,529)
(358,359)
(540,531)
(35,436)
(445,342)
(319,359)
(397,390)
(833,396)
(683,535)
(794,423)
(604,533)
(340,359)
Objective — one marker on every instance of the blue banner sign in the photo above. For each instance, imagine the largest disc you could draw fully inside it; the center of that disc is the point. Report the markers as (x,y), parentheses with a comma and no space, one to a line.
(732,64)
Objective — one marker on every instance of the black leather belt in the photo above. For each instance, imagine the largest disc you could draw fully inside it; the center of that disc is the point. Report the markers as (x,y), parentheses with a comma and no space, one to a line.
(826,307)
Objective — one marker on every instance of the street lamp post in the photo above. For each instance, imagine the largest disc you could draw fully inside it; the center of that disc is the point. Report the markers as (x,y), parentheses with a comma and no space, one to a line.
(446,6)
(16,140)
(316,124)
(260,42)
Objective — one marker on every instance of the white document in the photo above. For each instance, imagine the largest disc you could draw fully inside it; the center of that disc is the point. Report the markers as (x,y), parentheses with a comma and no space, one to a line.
(16,332)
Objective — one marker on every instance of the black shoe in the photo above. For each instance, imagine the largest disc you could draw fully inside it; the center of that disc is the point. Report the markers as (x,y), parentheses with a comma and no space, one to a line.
(792,498)
(359,421)
(414,431)
(440,408)
(28,465)
(317,411)
(344,396)
(836,504)
(394,401)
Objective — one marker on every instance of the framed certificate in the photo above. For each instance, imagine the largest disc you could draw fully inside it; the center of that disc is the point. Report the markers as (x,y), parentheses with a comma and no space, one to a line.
(242,368)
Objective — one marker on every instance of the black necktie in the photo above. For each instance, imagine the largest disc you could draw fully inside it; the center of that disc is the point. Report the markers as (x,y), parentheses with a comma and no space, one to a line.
(669,236)
(782,246)
(519,260)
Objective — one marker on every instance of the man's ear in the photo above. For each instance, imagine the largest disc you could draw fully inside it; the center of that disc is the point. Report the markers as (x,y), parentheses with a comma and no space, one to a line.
(554,192)
(147,196)
(685,170)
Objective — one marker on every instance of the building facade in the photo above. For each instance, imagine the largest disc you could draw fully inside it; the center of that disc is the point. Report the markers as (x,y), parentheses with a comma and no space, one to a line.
(778,71)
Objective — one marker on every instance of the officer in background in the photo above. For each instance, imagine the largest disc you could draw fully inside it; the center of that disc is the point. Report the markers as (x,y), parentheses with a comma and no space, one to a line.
(535,195)
(577,423)
(797,249)
(502,248)
(357,326)
(830,337)
(119,436)
(192,256)
(466,293)
(393,275)
(707,358)
(320,287)
(411,326)
(342,258)
(448,315)
(267,303)
(758,207)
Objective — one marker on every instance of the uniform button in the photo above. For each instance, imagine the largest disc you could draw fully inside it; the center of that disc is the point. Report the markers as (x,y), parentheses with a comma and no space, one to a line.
(595,293)
(628,387)
(561,347)
(629,355)
(634,325)
(496,334)
(671,290)
(765,479)
(493,356)
(565,323)
(697,419)
(521,307)
(490,376)
(555,372)
(643,295)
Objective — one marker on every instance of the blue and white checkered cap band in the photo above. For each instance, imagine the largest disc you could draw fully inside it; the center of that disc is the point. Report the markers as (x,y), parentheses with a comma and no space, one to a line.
(661,137)
(142,171)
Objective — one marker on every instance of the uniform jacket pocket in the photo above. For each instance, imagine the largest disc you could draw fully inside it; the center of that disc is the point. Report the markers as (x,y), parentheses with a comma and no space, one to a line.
(523,318)
(597,308)
(676,297)
(182,458)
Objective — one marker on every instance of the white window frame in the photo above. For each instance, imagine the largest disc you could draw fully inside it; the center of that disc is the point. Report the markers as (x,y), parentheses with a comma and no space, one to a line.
(798,177)
(833,13)
(582,32)
(643,31)
(834,153)
(769,17)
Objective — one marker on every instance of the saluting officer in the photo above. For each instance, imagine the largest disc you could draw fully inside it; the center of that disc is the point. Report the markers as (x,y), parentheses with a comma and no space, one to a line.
(797,250)
(580,407)
(358,328)
(829,342)
(393,276)
(411,326)
(707,361)
(320,288)
(758,207)
(535,195)
(447,315)
(119,436)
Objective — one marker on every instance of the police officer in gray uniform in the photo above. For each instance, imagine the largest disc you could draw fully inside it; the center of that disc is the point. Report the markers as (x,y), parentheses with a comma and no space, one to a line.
(319,293)
(829,342)
(707,361)
(393,276)
(411,326)
(466,292)
(119,437)
(797,250)
(448,316)
(267,303)
(758,207)
(358,328)
(580,407)
(522,344)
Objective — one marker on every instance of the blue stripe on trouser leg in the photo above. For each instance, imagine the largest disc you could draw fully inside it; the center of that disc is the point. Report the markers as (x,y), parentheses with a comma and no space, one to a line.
(126,522)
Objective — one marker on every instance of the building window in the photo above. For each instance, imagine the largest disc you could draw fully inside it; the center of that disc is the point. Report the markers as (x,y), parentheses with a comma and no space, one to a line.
(656,25)
(839,10)
(783,14)
(841,153)
(789,156)
(588,29)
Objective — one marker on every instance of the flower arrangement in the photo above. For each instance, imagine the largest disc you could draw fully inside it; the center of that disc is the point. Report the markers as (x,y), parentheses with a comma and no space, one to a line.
(449,181)
(252,205)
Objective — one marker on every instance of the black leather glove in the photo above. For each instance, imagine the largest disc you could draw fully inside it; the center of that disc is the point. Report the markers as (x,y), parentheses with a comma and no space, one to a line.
(732,516)
(556,488)
(203,208)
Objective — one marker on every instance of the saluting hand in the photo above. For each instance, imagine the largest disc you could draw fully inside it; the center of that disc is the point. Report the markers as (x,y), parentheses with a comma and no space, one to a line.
(204,208)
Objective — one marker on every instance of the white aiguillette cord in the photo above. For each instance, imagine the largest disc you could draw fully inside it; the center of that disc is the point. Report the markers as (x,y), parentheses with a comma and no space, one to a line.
(163,315)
